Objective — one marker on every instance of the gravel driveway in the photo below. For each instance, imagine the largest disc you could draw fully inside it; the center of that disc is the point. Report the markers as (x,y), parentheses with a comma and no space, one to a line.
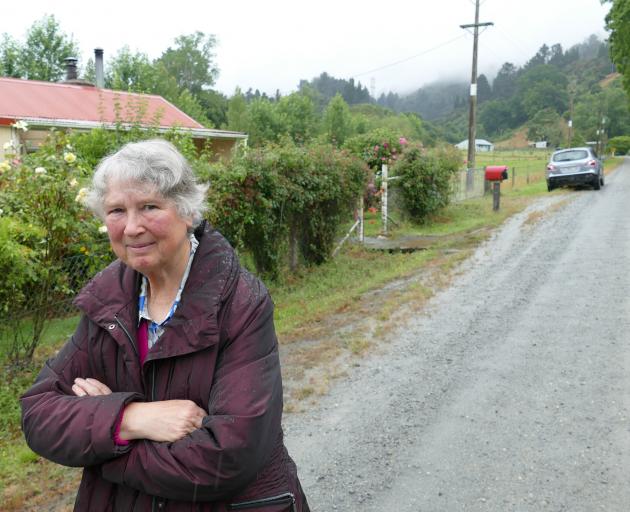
(512,392)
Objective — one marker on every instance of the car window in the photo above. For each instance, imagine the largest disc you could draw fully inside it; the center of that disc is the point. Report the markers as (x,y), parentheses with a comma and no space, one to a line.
(568,156)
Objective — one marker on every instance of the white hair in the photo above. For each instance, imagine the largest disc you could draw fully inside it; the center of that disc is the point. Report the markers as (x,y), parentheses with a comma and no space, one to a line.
(155,162)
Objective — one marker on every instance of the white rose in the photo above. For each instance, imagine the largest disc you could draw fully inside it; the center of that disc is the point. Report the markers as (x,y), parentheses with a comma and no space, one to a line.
(40,170)
(102,229)
(21,125)
(82,195)
(70,157)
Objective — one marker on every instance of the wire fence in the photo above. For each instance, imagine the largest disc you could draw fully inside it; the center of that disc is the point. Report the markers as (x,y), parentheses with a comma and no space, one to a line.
(463,191)
(24,321)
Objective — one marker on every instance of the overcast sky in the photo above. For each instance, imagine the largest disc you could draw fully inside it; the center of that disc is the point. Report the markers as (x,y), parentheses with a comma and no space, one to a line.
(272,44)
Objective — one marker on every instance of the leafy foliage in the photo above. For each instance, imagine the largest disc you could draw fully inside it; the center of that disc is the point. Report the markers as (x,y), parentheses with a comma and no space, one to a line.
(278,197)
(42,55)
(44,224)
(620,145)
(337,120)
(377,147)
(425,179)
(190,62)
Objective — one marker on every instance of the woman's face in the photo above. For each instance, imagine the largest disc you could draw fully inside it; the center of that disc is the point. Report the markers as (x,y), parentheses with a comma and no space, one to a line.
(145,230)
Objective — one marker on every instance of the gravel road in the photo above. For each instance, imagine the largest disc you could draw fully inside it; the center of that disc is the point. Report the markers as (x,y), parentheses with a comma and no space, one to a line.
(512,391)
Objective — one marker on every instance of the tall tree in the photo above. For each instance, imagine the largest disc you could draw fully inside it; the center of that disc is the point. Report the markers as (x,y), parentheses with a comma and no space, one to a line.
(9,57)
(337,120)
(618,23)
(484,91)
(129,71)
(265,125)
(504,84)
(237,112)
(42,56)
(191,62)
(298,113)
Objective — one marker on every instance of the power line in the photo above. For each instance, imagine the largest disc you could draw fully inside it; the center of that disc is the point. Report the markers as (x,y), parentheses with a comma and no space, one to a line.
(408,58)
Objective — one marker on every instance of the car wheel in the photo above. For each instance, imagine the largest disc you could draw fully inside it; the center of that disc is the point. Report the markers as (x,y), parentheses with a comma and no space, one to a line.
(597,185)
(549,187)
(601,180)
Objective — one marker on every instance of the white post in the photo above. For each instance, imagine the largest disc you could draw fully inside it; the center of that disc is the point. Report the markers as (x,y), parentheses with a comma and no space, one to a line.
(384,198)
(361,231)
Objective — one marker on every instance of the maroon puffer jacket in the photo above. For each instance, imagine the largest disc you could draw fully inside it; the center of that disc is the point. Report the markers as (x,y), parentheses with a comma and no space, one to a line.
(219,350)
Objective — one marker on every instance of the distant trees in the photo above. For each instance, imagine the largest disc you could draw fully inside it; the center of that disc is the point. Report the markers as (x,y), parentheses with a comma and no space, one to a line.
(484,91)
(504,84)
(327,87)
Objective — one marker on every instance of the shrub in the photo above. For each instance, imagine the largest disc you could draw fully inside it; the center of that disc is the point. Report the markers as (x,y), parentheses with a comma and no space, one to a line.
(619,145)
(377,147)
(280,198)
(46,225)
(425,179)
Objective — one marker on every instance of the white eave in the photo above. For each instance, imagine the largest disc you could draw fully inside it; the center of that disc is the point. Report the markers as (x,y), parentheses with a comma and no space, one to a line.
(205,133)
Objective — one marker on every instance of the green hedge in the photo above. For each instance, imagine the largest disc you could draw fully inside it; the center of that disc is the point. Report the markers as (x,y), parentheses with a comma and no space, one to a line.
(285,201)
(426,177)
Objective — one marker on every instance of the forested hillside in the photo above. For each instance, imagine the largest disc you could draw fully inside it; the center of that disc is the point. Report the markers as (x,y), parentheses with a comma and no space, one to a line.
(555,85)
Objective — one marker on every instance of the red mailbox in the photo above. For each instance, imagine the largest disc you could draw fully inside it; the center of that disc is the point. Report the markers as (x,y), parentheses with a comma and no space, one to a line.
(496,172)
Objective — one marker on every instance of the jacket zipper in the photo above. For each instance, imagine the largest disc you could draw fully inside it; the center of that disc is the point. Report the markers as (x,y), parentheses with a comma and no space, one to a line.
(282,499)
(153,500)
(122,326)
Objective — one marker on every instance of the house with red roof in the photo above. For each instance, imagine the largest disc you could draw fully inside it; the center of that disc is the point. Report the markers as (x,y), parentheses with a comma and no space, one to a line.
(79,105)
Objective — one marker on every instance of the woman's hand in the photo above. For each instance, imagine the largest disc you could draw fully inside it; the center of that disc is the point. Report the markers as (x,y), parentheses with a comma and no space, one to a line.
(89,387)
(167,420)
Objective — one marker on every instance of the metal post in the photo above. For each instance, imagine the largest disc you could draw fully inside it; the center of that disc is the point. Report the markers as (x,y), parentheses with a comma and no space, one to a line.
(361,220)
(384,198)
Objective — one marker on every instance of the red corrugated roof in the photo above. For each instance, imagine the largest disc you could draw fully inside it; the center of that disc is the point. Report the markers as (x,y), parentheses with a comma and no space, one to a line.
(45,100)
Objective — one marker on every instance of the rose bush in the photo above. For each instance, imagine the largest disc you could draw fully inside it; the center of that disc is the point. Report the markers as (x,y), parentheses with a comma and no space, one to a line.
(38,196)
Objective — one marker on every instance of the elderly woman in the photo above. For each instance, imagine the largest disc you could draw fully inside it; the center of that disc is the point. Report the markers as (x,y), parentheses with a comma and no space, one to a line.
(169,393)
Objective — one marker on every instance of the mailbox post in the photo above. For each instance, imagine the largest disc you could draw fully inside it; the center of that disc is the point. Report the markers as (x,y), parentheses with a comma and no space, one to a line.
(496,174)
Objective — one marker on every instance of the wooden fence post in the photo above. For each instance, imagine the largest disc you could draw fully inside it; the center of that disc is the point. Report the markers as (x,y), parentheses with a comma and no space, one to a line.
(513,176)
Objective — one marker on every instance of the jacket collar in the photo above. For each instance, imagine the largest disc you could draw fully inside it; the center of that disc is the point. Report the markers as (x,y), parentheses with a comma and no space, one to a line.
(111,297)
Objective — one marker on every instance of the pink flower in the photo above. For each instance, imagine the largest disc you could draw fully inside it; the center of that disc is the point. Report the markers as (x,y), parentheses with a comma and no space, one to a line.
(383,158)
(385,145)
(376,148)
(402,141)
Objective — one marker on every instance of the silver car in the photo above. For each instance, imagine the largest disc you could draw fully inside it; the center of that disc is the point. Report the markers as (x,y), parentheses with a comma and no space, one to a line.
(575,166)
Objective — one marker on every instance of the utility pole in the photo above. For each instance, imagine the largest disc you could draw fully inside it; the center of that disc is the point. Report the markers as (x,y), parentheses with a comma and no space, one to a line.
(472,115)
(572,91)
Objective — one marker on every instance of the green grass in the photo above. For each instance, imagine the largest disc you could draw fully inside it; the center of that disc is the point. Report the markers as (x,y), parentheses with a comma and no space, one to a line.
(332,287)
